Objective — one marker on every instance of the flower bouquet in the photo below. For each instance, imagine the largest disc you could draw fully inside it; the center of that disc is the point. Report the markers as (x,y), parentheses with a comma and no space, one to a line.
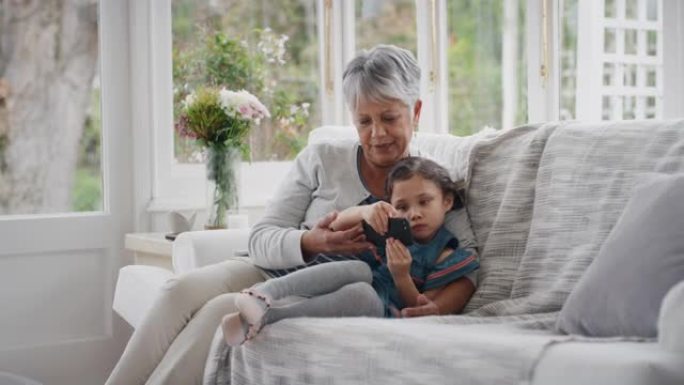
(220,120)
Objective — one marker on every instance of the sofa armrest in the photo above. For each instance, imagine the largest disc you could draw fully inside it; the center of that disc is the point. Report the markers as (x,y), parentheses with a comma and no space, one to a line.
(195,249)
(136,289)
(671,319)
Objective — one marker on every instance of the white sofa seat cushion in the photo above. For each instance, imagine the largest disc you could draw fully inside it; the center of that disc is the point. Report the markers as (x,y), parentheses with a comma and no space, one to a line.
(625,363)
(671,319)
(136,289)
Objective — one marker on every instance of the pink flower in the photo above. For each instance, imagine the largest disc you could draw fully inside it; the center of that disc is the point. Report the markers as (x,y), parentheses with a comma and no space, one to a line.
(182,128)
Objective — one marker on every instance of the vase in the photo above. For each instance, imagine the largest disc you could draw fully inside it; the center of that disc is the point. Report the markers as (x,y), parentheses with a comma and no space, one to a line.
(223,164)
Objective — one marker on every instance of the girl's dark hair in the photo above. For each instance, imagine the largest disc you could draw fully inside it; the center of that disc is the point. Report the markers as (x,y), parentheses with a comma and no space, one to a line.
(406,168)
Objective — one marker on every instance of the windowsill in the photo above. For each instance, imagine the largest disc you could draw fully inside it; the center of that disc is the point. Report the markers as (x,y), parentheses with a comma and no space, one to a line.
(162,205)
(258,183)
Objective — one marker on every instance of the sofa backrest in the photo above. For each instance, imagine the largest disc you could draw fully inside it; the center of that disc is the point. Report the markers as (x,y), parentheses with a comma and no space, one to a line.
(449,150)
(543,198)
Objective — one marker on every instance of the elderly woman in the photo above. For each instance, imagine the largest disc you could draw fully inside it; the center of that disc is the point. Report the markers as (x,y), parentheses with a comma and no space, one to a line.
(382,89)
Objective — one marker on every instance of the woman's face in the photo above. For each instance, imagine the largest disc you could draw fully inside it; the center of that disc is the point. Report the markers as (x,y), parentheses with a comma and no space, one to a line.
(385,130)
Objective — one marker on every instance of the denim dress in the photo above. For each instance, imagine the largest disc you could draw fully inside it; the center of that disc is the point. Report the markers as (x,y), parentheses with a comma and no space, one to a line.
(426,273)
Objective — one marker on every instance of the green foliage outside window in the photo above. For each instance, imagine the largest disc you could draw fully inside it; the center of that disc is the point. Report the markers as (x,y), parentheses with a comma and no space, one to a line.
(87,189)
(231,64)
(475,65)
(271,59)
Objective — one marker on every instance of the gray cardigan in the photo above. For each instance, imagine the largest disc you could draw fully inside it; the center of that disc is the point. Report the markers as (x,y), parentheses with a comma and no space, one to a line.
(324,177)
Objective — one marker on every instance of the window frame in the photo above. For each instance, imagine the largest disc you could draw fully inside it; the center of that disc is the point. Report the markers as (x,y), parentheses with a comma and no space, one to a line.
(178,186)
(173,186)
(544,95)
(673,45)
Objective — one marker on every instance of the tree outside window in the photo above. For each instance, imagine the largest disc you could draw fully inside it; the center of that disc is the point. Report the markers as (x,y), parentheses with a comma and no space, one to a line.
(49,107)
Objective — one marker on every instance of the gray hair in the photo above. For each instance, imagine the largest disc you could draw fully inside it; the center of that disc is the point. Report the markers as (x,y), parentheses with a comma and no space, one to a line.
(385,72)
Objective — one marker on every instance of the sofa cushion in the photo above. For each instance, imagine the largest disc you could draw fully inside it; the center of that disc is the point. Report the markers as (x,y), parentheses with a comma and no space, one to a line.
(608,361)
(642,258)
(671,319)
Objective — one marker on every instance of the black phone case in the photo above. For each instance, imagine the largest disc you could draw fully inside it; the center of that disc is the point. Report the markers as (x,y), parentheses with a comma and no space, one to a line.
(398,228)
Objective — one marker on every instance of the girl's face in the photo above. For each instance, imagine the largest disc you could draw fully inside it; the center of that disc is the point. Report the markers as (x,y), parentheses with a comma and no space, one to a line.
(385,130)
(422,202)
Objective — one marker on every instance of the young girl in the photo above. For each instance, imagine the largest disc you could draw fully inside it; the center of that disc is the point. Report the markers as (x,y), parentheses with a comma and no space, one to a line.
(381,282)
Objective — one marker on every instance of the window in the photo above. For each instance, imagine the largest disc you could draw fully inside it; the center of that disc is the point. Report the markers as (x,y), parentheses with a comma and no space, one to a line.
(270,51)
(486,64)
(618,79)
(499,63)
(50,125)
(386,22)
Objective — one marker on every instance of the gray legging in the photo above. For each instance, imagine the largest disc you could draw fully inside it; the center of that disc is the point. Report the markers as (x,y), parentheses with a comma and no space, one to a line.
(333,289)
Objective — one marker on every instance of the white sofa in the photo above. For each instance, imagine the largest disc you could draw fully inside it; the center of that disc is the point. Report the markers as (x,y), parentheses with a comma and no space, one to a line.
(138,285)
(324,356)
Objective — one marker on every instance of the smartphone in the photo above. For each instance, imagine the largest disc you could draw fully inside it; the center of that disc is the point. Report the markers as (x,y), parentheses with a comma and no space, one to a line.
(397,228)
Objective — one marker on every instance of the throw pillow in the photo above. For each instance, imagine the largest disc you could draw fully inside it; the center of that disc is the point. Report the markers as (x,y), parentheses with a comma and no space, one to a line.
(641,259)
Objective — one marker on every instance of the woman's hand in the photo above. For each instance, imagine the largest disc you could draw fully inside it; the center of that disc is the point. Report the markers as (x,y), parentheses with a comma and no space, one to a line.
(321,239)
(398,259)
(377,215)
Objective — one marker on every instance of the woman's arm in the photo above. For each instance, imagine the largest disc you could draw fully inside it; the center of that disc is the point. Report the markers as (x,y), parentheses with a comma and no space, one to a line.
(275,239)
(321,239)
(278,241)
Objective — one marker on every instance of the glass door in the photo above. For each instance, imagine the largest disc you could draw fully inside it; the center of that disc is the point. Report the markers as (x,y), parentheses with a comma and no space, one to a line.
(65,180)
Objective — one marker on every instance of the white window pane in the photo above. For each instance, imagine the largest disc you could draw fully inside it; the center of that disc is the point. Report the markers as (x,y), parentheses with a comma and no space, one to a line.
(650,110)
(386,22)
(50,127)
(606,108)
(478,35)
(652,43)
(629,108)
(608,40)
(256,46)
(652,10)
(610,9)
(610,76)
(651,76)
(630,41)
(630,75)
(632,9)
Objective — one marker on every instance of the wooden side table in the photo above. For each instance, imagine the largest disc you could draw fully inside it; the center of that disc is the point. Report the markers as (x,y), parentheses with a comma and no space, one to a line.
(150,249)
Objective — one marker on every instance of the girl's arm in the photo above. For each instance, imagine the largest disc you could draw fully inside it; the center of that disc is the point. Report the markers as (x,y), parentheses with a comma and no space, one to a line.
(376,215)
(450,299)
(348,218)
(399,264)
(407,291)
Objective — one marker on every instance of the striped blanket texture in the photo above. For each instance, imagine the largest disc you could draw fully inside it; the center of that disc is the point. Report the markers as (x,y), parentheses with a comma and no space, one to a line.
(541,200)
